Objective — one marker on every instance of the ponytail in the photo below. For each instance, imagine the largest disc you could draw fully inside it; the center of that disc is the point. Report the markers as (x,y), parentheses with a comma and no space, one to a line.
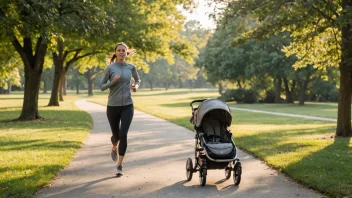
(110,59)
(130,52)
(113,58)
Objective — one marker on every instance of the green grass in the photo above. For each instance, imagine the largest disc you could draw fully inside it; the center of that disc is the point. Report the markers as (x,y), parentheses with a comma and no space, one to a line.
(303,149)
(327,110)
(33,152)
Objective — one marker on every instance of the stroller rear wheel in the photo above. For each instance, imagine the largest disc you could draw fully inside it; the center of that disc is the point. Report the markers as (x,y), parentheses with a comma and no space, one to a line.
(189,169)
(237,173)
(228,172)
(202,176)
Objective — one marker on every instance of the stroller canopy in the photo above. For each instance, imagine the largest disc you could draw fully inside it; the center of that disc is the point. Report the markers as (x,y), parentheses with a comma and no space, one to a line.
(222,111)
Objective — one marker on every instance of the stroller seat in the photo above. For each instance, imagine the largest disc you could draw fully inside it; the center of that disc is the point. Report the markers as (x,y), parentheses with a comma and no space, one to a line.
(215,132)
(216,137)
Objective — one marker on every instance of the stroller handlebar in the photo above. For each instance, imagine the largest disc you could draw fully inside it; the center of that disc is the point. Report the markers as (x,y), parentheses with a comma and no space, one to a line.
(194,101)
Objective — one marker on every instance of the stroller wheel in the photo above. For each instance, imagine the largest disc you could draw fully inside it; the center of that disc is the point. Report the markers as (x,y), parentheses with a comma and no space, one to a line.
(237,173)
(227,172)
(202,176)
(189,169)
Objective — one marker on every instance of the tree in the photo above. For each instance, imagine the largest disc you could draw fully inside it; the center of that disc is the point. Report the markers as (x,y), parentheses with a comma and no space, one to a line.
(221,60)
(9,73)
(67,53)
(34,23)
(322,37)
(90,75)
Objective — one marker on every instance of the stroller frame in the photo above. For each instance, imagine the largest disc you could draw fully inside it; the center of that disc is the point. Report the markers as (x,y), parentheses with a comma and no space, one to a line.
(203,161)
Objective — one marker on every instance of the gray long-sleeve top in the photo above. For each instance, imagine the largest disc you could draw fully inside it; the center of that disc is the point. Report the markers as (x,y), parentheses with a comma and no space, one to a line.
(120,93)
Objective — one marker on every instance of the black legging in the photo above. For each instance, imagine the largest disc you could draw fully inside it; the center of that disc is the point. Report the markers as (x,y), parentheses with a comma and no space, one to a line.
(117,115)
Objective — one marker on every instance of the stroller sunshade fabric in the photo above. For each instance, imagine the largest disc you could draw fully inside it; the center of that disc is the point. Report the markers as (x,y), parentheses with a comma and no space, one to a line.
(221,110)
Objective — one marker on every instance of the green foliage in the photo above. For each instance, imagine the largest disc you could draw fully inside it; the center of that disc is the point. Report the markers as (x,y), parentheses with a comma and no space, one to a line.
(315,27)
(269,96)
(323,91)
(163,73)
(47,18)
(240,95)
(151,27)
(221,61)
(9,63)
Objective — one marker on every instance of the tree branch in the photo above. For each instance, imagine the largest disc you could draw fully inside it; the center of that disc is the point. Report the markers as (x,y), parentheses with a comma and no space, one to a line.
(20,50)
(324,15)
(332,10)
(27,48)
(40,53)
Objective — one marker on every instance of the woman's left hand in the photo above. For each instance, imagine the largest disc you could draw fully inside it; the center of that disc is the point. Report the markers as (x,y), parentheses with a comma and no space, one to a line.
(134,89)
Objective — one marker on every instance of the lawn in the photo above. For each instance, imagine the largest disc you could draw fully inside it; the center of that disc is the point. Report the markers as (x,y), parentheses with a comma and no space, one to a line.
(327,110)
(33,152)
(306,150)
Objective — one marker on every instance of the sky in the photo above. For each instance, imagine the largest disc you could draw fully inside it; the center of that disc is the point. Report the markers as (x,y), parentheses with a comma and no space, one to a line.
(201,14)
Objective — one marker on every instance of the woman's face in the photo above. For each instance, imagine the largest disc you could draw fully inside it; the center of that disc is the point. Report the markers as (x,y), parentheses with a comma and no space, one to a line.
(121,52)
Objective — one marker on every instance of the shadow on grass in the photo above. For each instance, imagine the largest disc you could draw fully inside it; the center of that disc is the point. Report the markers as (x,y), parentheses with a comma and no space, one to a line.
(39,144)
(328,170)
(26,186)
(182,104)
(11,98)
(52,119)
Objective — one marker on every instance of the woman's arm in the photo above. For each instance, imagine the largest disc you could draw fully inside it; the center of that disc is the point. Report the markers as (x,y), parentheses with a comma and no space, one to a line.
(104,84)
(137,79)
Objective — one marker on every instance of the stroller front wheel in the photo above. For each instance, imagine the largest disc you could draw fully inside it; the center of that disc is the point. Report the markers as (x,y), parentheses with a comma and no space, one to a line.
(202,176)
(227,172)
(237,173)
(189,169)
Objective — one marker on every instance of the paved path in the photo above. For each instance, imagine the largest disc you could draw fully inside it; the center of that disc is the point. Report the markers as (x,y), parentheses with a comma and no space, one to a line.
(154,166)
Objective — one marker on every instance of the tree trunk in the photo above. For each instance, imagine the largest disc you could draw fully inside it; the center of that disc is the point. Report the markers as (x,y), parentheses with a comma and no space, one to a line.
(54,98)
(150,81)
(61,97)
(344,107)
(239,84)
(31,92)
(293,90)
(33,65)
(45,87)
(58,59)
(289,96)
(166,85)
(9,87)
(90,87)
(221,87)
(77,88)
(302,92)
(278,83)
(64,84)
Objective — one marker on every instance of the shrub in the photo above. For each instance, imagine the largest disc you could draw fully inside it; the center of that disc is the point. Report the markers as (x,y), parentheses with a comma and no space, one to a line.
(240,95)
(323,91)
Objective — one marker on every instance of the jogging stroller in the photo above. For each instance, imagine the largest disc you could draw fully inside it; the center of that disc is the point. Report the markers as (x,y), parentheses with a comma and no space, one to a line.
(214,147)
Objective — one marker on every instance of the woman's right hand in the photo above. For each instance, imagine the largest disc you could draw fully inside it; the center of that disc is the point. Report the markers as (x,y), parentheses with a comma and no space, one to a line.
(116,78)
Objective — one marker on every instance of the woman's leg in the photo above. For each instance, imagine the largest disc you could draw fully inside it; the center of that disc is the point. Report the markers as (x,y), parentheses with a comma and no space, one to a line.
(114,116)
(126,119)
